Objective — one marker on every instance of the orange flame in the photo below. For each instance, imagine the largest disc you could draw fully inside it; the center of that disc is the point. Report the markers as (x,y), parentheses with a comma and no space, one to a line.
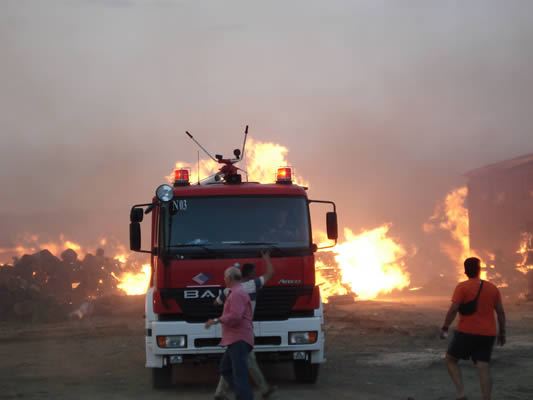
(452,217)
(207,168)
(525,250)
(261,162)
(130,282)
(329,280)
(370,263)
(134,283)
(264,158)
(29,244)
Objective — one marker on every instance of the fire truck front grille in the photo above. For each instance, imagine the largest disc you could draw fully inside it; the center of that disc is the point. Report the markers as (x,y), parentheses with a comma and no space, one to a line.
(276,303)
(259,341)
(273,303)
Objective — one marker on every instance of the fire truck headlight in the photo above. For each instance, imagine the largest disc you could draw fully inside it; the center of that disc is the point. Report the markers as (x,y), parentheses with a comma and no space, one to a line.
(303,337)
(172,342)
(164,193)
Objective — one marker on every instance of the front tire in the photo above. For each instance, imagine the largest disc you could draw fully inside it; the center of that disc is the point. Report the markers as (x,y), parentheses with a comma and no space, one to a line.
(162,377)
(305,372)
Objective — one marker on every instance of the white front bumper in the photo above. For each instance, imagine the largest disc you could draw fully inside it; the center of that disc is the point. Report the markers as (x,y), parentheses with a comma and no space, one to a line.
(193,331)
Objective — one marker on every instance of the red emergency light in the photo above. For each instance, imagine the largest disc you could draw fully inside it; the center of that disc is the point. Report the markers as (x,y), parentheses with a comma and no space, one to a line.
(284,175)
(181,177)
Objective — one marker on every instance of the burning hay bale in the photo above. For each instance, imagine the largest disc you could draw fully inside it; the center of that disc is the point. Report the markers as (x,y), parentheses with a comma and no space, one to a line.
(43,287)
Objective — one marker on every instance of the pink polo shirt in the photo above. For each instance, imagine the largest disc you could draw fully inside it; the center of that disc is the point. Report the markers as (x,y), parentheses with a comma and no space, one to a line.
(237,318)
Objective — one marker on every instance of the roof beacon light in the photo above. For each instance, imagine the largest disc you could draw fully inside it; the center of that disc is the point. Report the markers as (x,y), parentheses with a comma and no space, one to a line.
(181,177)
(284,175)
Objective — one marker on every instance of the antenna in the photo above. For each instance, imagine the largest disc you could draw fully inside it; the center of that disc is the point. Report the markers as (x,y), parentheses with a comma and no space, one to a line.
(198,153)
(228,171)
(200,146)
(244,143)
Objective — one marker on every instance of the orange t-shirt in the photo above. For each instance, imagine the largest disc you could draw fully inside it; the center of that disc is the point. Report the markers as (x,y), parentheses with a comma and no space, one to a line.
(483,321)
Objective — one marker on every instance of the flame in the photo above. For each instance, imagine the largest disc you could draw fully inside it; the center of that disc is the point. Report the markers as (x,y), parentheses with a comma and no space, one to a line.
(525,249)
(29,244)
(56,248)
(264,158)
(452,217)
(121,258)
(328,278)
(134,283)
(369,264)
(207,168)
(134,279)
(261,162)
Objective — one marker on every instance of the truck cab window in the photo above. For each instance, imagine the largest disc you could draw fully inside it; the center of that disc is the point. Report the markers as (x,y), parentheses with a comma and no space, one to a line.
(225,221)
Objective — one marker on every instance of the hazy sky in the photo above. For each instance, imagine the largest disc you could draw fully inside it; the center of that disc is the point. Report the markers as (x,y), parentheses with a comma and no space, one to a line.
(383,104)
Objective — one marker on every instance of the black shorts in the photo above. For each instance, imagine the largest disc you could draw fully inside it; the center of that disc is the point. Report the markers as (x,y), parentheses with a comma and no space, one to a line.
(476,347)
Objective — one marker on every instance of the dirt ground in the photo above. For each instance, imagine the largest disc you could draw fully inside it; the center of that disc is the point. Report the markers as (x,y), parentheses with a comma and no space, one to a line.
(375,350)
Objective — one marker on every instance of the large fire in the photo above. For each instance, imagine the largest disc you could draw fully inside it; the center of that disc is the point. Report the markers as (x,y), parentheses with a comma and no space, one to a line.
(127,280)
(260,164)
(364,265)
(134,283)
(452,217)
(28,244)
(372,262)
(329,278)
(369,264)
(526,253)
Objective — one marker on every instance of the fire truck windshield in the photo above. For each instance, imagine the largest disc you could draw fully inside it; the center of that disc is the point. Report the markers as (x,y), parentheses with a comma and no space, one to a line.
(234,221)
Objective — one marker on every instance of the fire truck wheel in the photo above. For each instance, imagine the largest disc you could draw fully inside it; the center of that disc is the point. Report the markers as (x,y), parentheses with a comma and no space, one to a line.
(305,372)
(162,377)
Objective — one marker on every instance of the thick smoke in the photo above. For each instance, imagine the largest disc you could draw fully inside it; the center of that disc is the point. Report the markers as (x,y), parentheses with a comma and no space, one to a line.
(383,106)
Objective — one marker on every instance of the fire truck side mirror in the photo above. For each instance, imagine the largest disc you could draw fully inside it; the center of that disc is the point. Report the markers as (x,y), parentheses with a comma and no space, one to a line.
(135,236)
(331,225)
(136,214)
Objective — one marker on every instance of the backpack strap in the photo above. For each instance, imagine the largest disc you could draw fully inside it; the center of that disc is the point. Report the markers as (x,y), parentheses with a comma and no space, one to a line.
(479,291)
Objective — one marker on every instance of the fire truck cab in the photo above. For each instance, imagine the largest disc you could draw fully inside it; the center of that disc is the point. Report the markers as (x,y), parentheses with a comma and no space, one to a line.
(199,230)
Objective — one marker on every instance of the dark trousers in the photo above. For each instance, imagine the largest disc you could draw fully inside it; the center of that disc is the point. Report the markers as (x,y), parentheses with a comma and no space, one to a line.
(234,369)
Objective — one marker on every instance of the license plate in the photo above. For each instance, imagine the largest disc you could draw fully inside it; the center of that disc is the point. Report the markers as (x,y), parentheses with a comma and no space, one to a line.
(176,359)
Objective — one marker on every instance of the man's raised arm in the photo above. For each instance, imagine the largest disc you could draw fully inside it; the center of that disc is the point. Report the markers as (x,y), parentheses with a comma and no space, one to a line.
(270,269)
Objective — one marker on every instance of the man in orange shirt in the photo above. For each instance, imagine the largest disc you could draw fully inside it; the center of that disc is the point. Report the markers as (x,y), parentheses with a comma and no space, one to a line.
(476,301)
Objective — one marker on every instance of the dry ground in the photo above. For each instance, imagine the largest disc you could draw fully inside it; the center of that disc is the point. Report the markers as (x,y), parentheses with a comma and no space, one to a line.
(375,350)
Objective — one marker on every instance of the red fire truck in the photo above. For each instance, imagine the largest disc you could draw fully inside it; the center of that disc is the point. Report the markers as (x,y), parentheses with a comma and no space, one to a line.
(199,230)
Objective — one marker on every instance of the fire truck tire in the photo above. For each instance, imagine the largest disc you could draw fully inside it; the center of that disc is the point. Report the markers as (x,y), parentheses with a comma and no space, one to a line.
(305,371)
(162,377)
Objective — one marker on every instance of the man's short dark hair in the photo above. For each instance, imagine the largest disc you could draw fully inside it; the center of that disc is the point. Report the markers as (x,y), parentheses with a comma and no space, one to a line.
(247,270)
(472,267)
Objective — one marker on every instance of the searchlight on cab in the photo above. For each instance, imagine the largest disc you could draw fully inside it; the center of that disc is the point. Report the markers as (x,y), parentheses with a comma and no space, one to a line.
(164,193)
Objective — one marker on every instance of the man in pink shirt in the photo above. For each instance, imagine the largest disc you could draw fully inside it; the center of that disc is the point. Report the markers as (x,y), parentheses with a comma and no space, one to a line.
(237,335)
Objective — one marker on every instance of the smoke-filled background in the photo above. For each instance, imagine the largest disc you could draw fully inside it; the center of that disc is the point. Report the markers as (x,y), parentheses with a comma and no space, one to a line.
(382,104)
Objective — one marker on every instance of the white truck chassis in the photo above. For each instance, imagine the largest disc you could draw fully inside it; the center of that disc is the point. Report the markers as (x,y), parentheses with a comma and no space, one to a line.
(306,357)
